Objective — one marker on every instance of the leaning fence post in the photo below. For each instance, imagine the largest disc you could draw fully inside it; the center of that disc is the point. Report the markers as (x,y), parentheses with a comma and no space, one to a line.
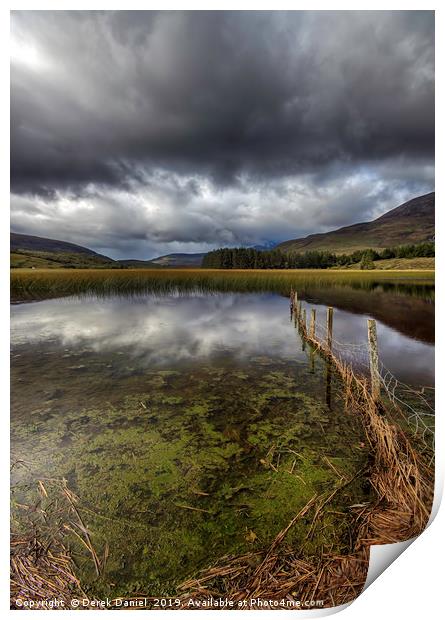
(329,321)
(294,305)
(304,320)
(312,324)
(373,358)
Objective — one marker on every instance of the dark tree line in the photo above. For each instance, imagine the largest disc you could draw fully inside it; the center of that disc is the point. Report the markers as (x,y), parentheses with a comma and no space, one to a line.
(248,258)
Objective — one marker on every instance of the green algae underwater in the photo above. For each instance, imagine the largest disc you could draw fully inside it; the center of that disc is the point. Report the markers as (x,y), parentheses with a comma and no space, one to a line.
(195,468)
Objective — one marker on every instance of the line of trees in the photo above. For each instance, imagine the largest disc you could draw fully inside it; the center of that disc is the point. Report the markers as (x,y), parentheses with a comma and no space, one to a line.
(248,258)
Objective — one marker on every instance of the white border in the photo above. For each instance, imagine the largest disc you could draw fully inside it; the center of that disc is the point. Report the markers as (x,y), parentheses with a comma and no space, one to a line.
(412,585)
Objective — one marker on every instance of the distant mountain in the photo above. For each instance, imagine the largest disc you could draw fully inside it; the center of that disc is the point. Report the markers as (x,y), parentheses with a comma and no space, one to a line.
(411,222)
(268,245)
(179,260)
(169,260)
(135,263)
(32,251)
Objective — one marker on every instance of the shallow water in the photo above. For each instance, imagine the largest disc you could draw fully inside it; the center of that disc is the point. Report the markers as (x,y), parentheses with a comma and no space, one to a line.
(191,426)
(177,329)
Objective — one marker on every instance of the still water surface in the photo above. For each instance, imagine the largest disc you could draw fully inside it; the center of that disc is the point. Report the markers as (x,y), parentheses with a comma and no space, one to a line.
(161,331)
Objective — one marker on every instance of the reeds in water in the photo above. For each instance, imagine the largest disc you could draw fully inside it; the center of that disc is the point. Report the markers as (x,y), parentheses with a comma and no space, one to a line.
(47,283)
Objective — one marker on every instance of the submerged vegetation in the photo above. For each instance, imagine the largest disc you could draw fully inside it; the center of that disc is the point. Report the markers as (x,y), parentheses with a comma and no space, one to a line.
(40,284)
(205,462)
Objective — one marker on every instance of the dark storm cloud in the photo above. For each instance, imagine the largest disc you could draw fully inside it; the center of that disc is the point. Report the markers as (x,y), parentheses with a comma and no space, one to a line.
(214,119)
(218,93)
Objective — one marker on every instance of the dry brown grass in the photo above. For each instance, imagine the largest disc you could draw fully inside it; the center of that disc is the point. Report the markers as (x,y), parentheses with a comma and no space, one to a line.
(41,570)
(41,563)
(281,574)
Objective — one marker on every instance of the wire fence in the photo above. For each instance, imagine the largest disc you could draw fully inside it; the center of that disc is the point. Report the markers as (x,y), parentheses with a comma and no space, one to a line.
(417,404)
(414,403)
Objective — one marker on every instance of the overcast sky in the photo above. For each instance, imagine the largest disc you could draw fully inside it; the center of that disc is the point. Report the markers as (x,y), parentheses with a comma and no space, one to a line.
(143,133)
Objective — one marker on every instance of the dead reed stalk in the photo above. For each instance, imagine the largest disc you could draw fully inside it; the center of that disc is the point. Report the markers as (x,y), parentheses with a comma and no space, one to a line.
(41,570)
(41,564)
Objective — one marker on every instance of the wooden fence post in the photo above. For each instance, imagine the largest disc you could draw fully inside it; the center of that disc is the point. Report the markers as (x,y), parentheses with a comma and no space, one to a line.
(312,359)
(373,359)
(304,320)
(329,321)
(312,324)
(294,305)
(329,382)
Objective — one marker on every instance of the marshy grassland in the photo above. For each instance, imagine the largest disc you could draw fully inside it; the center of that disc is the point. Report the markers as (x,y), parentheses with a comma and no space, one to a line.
(28,284)
(421,263)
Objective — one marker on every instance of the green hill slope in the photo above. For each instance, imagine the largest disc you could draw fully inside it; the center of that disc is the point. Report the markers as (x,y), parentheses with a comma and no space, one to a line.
(39,252)
(411,222)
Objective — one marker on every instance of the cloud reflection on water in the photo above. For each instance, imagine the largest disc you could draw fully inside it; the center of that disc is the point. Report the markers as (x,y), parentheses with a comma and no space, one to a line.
(160,331)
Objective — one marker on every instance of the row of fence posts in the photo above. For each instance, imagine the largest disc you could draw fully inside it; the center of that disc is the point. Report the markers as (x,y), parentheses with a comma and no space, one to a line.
(299,315)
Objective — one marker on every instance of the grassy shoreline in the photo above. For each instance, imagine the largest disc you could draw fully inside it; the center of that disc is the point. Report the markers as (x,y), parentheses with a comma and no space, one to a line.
(29,284)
